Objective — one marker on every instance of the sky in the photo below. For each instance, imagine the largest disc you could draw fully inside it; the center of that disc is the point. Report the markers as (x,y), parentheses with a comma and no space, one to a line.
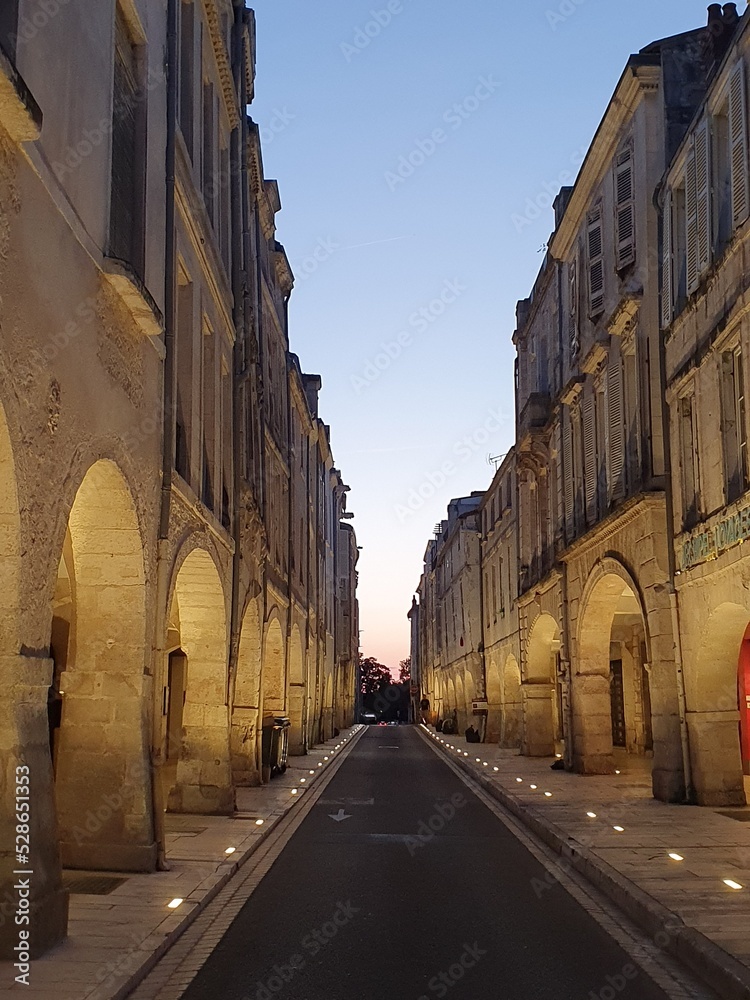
(418,145)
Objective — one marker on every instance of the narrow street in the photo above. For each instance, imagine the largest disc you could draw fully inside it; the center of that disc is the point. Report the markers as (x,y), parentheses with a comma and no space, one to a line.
(359,907)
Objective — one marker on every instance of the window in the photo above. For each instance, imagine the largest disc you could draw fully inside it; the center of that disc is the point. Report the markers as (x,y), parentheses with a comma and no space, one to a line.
(689,460)
(596,262)
(208,393)
(208,174)
(9,26)
(187,70)
(625,208)
(502,590)
(494,594)
(127,195)
(734,424)
(184,365)
(722,167)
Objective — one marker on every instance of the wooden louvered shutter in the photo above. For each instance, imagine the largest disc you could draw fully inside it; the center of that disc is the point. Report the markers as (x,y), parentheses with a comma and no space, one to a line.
(616,431)
(625,208)
(703,194)
(589,456)
(667,270)
(569,475)
(738,140)
(123,204)
(596,262)
(573,306)
(691,222)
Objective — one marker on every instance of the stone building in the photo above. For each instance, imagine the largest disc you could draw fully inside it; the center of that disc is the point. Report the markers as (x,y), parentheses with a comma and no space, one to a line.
(631,439)
(500,635)
(451,660)
(705,289)
(170,507)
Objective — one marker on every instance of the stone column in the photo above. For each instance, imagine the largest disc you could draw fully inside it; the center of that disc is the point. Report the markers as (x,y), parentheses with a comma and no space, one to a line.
(592,724)
(538,726)
(103,784)
(245,747)
(717,763)
(24,744)
(204,774)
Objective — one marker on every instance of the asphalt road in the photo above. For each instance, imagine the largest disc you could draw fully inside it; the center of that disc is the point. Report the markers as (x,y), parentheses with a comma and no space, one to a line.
(363,909)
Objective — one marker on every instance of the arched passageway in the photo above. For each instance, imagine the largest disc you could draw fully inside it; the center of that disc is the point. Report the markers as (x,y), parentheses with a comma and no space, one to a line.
(512,704)
(541,694)
(203,781)
(298,731)
(718,721)
(245,736)
(612,681)
(99,695)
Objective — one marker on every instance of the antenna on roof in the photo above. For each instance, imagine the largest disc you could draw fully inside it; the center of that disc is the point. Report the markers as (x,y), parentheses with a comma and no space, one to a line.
(495,460)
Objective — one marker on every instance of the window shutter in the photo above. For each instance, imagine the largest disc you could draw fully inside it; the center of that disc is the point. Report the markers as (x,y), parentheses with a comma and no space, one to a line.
(569,478)
(573,306)
(625,208)
(738,139)
(123,235)
(589,456)
(703,195)
(691,222)
(667,270)
(616,422)
(596,262)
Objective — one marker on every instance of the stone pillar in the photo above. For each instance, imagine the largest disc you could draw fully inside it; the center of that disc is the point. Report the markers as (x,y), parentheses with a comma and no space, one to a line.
(103,784)
(538,720)
(204,775)
(717,762)
(592,725)
(244,747)
(24,745)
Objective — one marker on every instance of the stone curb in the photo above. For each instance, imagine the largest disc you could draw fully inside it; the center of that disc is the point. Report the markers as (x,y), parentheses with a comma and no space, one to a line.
(705,959)
(155,956)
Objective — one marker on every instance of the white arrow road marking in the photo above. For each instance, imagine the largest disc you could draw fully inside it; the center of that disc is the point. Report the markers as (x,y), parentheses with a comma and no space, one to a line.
(383,746)
(340,816)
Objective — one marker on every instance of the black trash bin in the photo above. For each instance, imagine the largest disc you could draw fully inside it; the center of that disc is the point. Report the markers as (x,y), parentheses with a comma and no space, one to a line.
(276,744)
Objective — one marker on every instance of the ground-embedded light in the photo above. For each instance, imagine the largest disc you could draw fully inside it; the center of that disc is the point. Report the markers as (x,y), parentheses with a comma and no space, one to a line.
(676,857)
(294,791)
(259,822)
(533,787)
(230,850)
(620,829)
(175,903)
(519,780)
(495,768)
(732,884)
(478,760)
(548,795)
(302,780)
(591,815)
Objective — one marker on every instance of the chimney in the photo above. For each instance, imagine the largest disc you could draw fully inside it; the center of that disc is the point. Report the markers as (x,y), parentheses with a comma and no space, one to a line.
(722,22)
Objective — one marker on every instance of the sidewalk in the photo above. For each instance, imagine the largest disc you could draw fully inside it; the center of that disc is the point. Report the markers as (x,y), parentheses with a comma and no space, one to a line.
(115,939)
(611,830)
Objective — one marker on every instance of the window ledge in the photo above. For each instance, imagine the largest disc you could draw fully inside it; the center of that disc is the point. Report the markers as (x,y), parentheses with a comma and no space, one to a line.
(20,115)
(135,297)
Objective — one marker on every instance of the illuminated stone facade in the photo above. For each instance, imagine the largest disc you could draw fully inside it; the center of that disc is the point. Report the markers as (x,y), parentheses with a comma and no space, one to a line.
(172,546)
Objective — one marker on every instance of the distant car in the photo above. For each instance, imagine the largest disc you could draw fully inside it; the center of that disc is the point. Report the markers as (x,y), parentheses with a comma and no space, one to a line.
(381,723)
(369,718)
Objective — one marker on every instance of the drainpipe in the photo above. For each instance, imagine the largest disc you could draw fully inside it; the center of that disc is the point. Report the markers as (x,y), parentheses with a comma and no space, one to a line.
(674,603)
(239,284)
(163,562)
